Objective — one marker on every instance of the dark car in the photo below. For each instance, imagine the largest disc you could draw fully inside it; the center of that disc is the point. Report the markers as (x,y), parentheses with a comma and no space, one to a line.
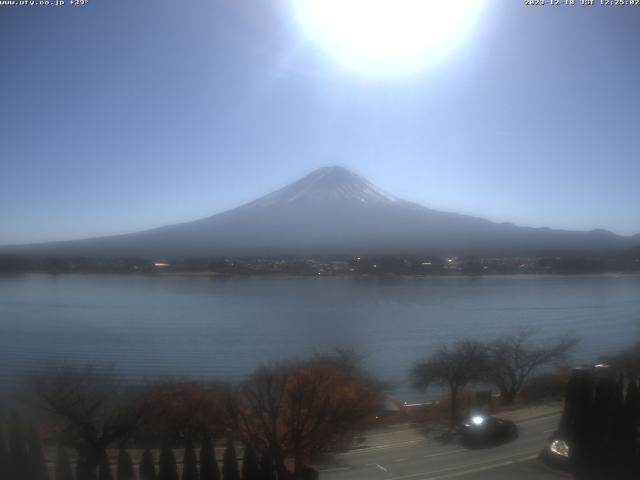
(482,430)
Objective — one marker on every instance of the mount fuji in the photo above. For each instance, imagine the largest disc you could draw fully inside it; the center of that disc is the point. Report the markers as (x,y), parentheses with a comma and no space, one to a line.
(333,211)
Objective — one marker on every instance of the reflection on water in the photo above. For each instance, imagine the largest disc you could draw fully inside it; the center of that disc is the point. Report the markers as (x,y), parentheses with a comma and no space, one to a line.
(224,327)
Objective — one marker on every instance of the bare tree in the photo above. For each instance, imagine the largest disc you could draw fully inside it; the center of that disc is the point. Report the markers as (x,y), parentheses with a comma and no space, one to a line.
(256,409)
(454,367)
(302,410)
(326,405)
(181,409)
(515,357)
(90,409)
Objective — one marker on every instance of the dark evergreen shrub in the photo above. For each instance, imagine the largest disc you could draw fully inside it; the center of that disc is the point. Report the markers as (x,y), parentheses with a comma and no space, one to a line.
(632,407)
(168,470)
(189,463)
(304,472)
(18,455)
(600,422)
(125,466)
(250,467)
(267,467)
(4,456)
(147,469)
(37,465)
(63,465)
(208,463)
(104,467)
(230,469)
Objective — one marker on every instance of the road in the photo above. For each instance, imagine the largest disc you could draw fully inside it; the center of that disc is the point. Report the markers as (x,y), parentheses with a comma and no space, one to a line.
(404,453)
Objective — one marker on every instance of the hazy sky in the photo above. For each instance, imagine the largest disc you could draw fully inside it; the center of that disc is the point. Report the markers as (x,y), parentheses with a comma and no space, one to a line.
(124,115)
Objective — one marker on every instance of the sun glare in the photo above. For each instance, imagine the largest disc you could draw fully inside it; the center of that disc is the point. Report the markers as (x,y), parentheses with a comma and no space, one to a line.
(386,37)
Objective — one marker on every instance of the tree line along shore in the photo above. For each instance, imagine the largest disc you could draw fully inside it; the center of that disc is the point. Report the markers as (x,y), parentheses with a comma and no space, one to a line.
(323,265)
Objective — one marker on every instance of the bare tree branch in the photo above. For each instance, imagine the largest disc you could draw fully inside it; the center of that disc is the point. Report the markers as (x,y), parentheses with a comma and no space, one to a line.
(454,367)
(514,358)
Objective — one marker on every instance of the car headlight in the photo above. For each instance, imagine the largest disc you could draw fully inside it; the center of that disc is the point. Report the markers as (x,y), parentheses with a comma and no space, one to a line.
(477,420)
(559,447)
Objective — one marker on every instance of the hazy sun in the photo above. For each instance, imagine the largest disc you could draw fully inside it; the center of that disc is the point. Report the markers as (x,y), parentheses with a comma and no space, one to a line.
(386,36)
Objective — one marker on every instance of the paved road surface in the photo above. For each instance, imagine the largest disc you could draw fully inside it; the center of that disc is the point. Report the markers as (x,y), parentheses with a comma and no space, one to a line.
(404,453)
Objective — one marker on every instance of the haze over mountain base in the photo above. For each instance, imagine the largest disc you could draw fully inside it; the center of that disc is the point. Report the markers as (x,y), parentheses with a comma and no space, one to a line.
(333,211)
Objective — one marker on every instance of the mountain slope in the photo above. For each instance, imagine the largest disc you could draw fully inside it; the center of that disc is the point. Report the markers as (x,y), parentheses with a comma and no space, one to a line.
(334,211)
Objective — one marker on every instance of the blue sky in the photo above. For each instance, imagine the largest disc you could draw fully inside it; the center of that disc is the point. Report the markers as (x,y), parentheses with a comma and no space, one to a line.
(120,116)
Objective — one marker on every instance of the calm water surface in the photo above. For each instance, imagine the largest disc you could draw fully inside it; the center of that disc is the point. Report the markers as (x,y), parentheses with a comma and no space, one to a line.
(224,327)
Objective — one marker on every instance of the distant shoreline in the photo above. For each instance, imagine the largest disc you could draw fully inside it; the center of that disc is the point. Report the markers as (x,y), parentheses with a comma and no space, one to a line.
(326,265)
(205,275)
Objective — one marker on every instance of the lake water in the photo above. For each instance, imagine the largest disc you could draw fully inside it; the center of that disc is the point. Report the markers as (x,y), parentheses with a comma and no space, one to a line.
(224,327)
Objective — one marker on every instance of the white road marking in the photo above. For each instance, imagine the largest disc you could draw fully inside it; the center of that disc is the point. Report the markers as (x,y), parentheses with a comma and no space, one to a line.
(481,469)
(392,429)
(538,419)
(448,452)
(381,447)
(501,462)
(381,467)
(335,469)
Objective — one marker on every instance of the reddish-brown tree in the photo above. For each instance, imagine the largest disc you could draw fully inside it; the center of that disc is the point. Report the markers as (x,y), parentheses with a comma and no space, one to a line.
(301,410)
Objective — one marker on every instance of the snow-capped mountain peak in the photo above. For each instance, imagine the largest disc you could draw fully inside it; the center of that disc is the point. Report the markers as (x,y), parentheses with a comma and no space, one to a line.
(328,184)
